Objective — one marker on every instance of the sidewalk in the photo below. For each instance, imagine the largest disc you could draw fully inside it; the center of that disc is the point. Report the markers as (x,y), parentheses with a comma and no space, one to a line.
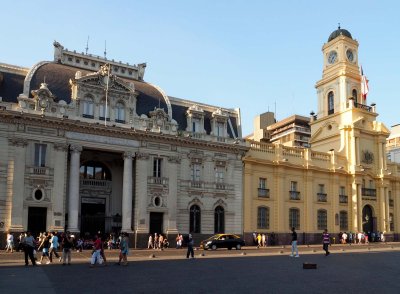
(17,258)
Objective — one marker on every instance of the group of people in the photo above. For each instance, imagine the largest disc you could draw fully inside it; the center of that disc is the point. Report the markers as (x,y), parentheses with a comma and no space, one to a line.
(159,241)
(361,237)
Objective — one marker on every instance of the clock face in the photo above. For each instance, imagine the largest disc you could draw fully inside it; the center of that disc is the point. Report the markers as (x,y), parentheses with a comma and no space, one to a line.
(350,55)
(332,57)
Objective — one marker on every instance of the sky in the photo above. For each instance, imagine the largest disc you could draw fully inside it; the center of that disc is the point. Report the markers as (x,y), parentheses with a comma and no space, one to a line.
(252,55)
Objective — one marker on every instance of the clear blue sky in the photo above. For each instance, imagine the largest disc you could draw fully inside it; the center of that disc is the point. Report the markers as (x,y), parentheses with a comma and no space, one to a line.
(229,53)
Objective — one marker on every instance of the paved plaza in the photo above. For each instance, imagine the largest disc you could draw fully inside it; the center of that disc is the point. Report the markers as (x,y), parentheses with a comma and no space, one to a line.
(358,269)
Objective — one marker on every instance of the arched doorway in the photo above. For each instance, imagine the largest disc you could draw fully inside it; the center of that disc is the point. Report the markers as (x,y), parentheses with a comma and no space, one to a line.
(368,219)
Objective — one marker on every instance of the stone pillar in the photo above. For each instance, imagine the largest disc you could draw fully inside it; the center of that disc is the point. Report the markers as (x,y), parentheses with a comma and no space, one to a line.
(16,185)
(387,212)
(172,196)
(354,207)
(141,193)
(127,193)
(73,199)
(282,196)
(359,208)
(382,209)
(56,223)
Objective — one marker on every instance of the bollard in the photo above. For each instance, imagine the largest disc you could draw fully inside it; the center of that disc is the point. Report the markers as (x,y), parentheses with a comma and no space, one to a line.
(243,253)
(152,256)
(281,251)
(202,254)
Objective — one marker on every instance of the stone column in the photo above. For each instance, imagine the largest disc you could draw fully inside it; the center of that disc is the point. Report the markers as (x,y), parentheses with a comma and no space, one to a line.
(73,199)
(141,193)
(354,207)
(60,177)
(173,162)
(359,208)
(127,193)
(16,185)
(382,209)
(387,212)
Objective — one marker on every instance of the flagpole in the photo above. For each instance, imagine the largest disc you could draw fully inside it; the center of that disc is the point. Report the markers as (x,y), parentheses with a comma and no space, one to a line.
(108,79)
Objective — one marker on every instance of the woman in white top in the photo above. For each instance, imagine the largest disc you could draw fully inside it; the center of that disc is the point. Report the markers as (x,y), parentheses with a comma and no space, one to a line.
(10,242)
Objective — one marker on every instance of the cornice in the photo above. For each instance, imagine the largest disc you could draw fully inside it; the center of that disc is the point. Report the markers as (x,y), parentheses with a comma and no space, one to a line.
(14,118)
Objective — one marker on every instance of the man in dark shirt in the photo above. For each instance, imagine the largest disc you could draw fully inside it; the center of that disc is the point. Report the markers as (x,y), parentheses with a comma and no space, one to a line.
(294,243)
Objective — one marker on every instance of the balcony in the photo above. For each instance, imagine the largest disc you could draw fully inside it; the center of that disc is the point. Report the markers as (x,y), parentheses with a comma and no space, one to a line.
(368,192)
(196,184)
(294,195)
(39,170)
(157,180)
(362,106)
(220,186)
(263,193)
(96,184)
(343,199)
(322,197)
(220,139)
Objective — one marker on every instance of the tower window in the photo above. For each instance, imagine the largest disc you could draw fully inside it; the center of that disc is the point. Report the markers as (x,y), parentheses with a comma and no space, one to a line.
(331,107)
(354,94)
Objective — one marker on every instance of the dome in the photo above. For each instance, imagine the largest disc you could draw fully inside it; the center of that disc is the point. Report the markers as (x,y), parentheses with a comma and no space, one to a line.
(339,32)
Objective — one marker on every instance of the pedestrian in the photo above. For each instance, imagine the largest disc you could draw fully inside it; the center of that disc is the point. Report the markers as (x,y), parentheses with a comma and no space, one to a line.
(294,243)
(263,240)
(96,255)
(67,244)
(44,246)
(150,242)
(124,250)
(155,246)
(160,241)
(258,240)
(54,246)
(10,242)
(103,256)
(326,240)
(178,244)
(28,243)
(190,244)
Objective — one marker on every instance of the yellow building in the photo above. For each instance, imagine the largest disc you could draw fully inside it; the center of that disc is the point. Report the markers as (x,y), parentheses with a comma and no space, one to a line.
(343,182)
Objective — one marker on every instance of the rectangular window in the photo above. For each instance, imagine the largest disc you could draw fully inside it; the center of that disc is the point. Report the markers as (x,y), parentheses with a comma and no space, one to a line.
(322,219)
(262,183)
(219,174)
(103,111)
(263,218)
(343,221)
(342,190)
(40,155)
(88,108)
(294,218)
(321,188)
(157,167)
(371,184)
(293,186)
(195,172)
(220,129)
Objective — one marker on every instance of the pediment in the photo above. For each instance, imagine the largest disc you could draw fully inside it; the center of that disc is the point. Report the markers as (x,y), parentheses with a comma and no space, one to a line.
(326,130)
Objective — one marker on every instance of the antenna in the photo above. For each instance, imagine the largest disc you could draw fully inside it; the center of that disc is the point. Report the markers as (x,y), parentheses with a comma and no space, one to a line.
(275,111)
(87,45)
(105,49)
(108,79)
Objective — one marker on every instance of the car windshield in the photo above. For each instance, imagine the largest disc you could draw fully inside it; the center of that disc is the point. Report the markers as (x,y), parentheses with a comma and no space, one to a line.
(215,237)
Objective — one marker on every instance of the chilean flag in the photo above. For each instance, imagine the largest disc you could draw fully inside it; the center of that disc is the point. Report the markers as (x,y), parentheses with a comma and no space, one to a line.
(364,85)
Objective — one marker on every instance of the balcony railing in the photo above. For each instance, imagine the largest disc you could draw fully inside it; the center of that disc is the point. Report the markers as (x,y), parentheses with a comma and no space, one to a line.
(263,193)
(220,186)
(196,184)
(343,199)
(368,192)
(157,180)
(294,195)
(322,197)
(95,184)
(362,106)
(39,170)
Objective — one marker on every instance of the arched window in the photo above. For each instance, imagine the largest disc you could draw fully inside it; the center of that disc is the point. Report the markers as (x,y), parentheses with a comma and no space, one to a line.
(343,220)
(294,218)
(95,170)
(195,219)
(331,103)
(88,107)
(103,107)
(120,112)
(219,220)
(322,219)
(263,218)
(354,94)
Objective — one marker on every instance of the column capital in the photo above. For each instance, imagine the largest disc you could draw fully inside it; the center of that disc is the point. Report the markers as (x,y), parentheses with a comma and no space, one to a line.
(60,146)
(128,155)
(142,156)
(19,142)
(75,148)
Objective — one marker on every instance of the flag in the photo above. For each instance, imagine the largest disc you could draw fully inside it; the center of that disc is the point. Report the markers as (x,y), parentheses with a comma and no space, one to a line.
(364,85)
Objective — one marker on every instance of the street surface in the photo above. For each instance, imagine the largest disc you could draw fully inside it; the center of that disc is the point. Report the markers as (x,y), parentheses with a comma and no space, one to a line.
(363,269)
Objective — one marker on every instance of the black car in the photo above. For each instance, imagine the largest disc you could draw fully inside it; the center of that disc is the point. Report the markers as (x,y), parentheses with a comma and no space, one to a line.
(222,241)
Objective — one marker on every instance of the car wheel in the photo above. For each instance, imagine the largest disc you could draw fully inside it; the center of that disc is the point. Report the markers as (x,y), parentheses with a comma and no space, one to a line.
(214,247)
(238,247)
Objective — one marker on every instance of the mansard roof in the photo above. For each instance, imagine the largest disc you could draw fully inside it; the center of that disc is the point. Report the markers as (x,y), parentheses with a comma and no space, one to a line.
(11,85)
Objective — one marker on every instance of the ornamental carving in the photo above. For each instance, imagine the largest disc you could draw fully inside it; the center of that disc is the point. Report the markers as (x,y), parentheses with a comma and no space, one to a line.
(174,159)
(18,142)
(60,146)
(367,157)
(75,148)
(127,155)
(142,156)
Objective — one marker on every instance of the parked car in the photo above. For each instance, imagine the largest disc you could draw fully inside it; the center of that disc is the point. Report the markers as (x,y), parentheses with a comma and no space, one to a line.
(222,241)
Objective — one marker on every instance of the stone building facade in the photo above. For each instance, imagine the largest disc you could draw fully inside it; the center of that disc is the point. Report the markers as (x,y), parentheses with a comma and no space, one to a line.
(87,145)
(343,182)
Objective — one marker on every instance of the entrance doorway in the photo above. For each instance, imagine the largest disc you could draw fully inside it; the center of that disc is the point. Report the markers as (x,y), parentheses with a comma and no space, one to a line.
(93,216)
(156,222)
(37,217)
(368,219)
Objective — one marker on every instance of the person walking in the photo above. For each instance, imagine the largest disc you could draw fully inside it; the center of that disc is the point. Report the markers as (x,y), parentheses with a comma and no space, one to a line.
(96,255)
(54,246)
(326,240)
(294,243)
(150,242)
(28,243)
(67,244)
(124,250)
(190,244)
(44,246)
(10,242)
